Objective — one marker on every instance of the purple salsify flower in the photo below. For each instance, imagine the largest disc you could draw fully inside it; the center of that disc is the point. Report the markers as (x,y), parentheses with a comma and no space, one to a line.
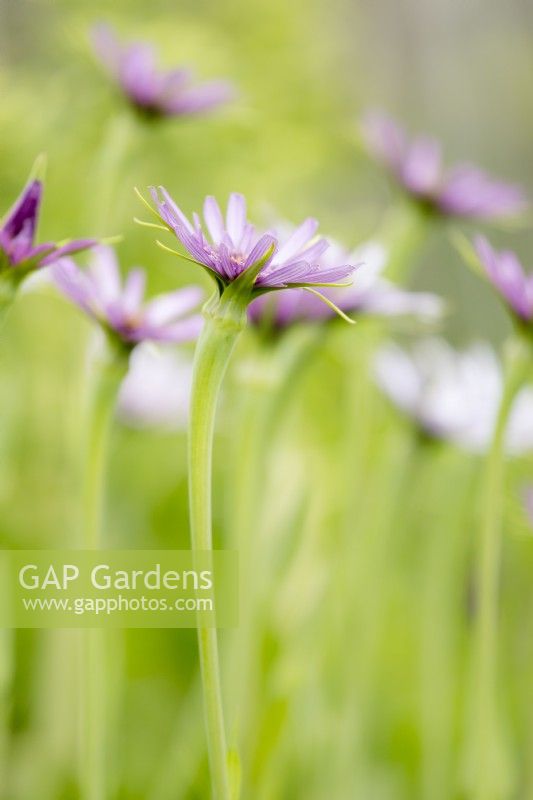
(454,395)
(231,245)
(120,307)
(507,275)
(153,91)
(370,294)
(462,191)
(18,252)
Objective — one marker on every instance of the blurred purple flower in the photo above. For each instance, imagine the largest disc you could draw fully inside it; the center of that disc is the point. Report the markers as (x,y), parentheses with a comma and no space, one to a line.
(232,246)
(463,191)
(454,395)
(120,307)
(370,294)
(17,236)
(157,388)
(159,93)
(507,275)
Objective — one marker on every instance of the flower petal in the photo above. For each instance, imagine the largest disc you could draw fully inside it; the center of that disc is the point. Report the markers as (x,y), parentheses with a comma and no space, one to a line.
(422,166)
(297,240)
(76,285)
(186,330)
(214,219)
(236,218)
(259,251)
(105,273)
(384,138)
(173,211)
(167,307)
(23,215)
(507,275)
(75,246)
(196,99)
(470,192)
(133,292)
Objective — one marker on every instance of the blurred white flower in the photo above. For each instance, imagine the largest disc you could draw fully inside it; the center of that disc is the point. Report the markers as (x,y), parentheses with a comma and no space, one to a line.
(369,293)
(454,395)
(156,391)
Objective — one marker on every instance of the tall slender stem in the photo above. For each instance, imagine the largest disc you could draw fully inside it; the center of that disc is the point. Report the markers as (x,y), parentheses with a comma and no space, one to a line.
(7,660)
(447,502)
(93,694)
(486,732)
(107,170)
(268,376)
(403,232)
(7,295)
(213,352)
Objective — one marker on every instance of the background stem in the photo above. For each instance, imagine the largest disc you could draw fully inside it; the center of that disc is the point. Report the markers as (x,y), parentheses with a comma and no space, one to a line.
(487,744)
(404,232)
(93,684)
(107,170)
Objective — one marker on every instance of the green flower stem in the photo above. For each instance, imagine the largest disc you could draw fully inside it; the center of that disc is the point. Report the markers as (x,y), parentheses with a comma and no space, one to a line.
(444,564)
(100,413)
(489,759)
(403,233)
(213,352)
(266,379)
(6,682)
(93,683)
(7,295)
(118,142)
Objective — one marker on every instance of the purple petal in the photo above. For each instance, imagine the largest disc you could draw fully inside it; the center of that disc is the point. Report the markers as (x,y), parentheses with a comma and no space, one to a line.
(247,237)
(507,275)
(186,330)
(422,166)
(298,239)
(138,74)
(167,307)
(331,275)
(214,219)
(297,272)
(133,292)
(287,307)
(384,138)
(470,192)
(76,285)
(173,210)
(314,252)
(260,250)
(75,246)
(23,215)
(236,218)
(174,82)
(39,254)
(20,247)
(104,271)
(226,266)
(197,99)
(196,247)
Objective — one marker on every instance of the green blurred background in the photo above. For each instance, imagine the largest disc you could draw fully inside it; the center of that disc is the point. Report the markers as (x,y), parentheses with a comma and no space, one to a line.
(357,647)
